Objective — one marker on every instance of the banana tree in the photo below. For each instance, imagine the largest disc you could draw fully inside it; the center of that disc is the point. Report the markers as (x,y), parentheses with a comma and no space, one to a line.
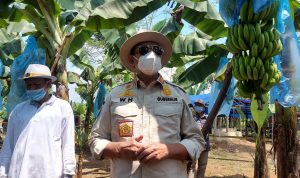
(60,33)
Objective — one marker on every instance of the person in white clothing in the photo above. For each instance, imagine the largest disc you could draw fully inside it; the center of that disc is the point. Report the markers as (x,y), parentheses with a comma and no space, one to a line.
(39,142)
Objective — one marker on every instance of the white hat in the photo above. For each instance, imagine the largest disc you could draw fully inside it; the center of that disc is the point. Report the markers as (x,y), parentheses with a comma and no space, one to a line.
(38,71)
(145,36)
(200,102)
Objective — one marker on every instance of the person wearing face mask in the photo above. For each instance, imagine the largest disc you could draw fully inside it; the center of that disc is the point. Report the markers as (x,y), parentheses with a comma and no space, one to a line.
(146,128)
(40,135)
(200,118)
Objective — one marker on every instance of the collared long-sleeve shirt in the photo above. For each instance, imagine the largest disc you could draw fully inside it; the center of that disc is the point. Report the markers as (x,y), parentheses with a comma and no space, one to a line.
(40,141)
(161,114)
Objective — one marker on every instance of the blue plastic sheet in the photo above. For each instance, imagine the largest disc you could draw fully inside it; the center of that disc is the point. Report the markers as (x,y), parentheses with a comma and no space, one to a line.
(215,90)
(100,99)
(1,73)
(287,92)
(259,5)
(230,9)
(31,55)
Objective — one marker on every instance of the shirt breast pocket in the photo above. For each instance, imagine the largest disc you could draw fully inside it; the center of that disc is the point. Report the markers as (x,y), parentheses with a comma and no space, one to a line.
(124,120)
(168,116)
(125,110)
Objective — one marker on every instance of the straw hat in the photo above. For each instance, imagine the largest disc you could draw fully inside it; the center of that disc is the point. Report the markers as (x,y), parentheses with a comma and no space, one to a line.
(200,102)
(144,36)
(38,71)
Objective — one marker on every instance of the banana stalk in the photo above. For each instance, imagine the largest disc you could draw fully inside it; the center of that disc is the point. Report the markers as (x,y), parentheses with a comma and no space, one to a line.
(47,34)
(53,27)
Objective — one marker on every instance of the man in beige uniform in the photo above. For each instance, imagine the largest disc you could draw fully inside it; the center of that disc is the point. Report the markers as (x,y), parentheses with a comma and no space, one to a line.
(146,127)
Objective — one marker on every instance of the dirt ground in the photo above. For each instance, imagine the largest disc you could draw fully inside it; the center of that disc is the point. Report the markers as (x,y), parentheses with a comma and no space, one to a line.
(229,157)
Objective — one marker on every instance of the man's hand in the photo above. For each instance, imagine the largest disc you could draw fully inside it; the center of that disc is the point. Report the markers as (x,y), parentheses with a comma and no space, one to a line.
(154,152)
(131,149)
(158,151)
(128,150)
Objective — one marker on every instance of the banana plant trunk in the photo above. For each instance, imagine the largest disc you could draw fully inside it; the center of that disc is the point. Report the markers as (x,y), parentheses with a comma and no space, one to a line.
(260,163)
(80,163)
(88,114)
(286,144)
(216,107)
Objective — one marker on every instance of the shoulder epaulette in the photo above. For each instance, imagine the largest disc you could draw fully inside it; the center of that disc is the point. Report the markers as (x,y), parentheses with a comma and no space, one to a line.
(173,84)
(127,84)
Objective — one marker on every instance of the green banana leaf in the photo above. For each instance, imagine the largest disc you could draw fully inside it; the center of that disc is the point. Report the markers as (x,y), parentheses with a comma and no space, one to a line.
(23,27)
(107,14)
(80,60)
(3,23)
(203,16)
(202,68)
(88,74)
(259,116)
(74,78)
(13,48)
(190,44)
(79,41)
(4,8)
(169,27)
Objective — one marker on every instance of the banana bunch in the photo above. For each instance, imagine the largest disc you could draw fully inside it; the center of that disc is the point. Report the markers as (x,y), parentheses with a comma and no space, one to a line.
(263,44)
(247,14)
(271,77)
(248,68)
(254,41)
(255,76)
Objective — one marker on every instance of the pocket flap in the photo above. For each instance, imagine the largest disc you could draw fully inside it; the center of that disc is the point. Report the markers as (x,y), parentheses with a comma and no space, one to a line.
(126,110)
(168,109)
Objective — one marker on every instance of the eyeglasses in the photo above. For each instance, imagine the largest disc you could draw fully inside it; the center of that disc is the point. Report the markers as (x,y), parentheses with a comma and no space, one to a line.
(144,49)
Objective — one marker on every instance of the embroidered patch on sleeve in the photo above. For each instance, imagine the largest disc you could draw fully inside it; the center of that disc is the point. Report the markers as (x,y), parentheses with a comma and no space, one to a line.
(125,128)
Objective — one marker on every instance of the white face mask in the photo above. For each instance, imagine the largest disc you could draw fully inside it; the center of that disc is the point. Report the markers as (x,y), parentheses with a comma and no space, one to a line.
(149,63)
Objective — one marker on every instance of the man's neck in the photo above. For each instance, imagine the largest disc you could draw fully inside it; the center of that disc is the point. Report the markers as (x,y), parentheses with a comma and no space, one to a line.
(46,98)
(146,79)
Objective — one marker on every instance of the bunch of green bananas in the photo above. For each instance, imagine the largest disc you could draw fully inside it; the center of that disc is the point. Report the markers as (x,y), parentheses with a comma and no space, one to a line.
(260,43)
(254,41)
(248,70)
(247,14)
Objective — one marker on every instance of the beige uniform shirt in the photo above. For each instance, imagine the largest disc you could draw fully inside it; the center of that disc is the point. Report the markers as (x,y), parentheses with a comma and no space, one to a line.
(160,113)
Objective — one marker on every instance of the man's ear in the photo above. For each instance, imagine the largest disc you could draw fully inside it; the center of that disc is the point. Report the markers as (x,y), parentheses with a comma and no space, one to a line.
(48,83)
(132,61)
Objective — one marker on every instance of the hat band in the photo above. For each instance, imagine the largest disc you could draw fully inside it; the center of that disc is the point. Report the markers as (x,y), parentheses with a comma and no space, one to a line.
(36,75)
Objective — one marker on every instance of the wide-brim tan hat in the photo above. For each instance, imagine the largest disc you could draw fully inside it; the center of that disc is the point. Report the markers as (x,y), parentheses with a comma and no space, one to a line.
(200,102)
(145,36)
(38,71)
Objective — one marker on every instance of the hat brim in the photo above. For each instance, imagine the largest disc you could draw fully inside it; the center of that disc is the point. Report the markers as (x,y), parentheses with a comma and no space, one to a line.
(199,104)
(145,36)
(52,78)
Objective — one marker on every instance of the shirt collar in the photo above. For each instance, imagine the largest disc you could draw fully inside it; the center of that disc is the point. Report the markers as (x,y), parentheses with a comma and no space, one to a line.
(140,83)
(50,101)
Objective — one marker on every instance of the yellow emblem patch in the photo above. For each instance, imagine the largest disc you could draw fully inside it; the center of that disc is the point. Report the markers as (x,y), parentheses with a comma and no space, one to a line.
(127,93)
(166,90)
(125,128)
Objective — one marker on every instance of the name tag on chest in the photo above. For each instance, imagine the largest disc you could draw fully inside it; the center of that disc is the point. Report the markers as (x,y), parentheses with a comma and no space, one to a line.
(162,99)
(123,99)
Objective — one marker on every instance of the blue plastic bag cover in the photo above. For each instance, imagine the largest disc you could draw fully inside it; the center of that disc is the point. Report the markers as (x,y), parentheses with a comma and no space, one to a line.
(1,73)
(230,11)
(215,90)
(30,55)
(99,101)
(259,5)
(287,92)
